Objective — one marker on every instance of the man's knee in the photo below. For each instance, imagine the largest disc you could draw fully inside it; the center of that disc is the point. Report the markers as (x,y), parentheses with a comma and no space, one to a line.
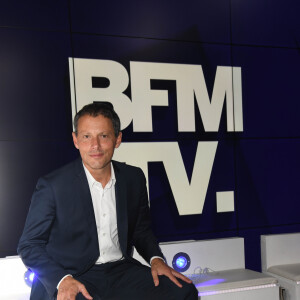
(188,291)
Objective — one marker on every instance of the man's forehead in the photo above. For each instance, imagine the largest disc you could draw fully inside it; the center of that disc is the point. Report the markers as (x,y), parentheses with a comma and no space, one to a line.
(94,120)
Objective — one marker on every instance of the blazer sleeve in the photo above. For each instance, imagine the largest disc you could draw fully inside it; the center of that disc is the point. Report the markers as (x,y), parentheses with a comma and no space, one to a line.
(33,242)
(143,239)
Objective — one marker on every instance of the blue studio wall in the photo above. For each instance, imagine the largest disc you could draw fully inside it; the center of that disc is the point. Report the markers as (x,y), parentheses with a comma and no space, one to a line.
(259,164)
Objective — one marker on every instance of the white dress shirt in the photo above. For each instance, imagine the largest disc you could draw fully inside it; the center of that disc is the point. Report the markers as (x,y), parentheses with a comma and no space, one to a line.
(104,203)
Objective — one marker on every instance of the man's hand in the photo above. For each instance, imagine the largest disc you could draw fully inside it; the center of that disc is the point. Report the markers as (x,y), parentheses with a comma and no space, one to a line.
(158,267)
(70,287)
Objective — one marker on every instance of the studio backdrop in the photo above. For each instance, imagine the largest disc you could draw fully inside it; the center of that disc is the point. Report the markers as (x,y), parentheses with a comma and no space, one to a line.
(208,97)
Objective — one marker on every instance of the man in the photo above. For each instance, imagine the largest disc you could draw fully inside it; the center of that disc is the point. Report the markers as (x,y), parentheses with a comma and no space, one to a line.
(85,218)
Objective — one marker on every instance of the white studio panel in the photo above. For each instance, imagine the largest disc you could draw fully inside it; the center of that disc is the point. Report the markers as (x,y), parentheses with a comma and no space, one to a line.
(218,254)
(280,249)
(12,283)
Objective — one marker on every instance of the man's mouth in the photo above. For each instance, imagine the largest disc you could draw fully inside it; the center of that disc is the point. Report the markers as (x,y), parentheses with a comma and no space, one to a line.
(96,155)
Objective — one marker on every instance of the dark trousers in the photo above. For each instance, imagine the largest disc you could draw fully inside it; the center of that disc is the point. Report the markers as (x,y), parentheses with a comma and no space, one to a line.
(126,280)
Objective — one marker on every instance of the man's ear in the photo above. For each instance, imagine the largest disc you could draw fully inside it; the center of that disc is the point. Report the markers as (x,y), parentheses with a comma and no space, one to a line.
(119,140)
(75,140)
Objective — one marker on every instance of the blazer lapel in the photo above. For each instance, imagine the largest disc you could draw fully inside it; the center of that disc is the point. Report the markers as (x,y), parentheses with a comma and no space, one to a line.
(84,196)
(121,206)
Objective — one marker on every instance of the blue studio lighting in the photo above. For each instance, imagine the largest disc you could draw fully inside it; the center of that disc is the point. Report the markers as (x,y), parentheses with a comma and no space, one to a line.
(181,262)
(29,277)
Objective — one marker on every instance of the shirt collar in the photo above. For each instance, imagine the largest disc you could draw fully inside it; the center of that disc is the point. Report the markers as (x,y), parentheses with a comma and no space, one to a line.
(92,181)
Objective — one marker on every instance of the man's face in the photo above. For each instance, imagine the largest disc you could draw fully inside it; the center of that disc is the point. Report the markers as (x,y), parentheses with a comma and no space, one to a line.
(96,142)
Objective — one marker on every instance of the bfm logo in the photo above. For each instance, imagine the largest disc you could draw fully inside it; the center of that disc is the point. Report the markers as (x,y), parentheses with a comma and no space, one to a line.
(190,84)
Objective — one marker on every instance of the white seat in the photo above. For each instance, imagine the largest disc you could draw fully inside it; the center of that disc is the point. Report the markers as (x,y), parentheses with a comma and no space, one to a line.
(280,255)
(227,279)
(236,279)
(289,271)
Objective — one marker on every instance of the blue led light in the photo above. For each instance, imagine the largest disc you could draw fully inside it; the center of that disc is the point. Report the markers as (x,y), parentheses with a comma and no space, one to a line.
(181,262)
(29,277)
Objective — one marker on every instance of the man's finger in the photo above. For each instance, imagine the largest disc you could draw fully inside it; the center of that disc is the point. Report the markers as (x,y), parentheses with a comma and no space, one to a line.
(155,278)
(181,276)
(85,293)
(173,278)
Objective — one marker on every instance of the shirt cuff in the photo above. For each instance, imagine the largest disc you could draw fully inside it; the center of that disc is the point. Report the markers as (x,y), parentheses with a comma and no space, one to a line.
(69,275)
(156,257)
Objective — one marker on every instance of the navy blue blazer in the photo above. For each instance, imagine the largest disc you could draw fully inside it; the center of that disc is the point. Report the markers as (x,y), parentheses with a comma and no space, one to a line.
(60,234)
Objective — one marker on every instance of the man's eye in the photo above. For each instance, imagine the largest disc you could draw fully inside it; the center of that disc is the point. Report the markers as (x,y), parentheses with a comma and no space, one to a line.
(86,136)
(104,136)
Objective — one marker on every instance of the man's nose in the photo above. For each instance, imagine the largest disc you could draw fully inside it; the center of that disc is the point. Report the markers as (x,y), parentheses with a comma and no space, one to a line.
(95,143)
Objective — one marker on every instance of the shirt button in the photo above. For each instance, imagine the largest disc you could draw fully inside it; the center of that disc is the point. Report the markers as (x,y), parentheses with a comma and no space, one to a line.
(104,215)
(103,234)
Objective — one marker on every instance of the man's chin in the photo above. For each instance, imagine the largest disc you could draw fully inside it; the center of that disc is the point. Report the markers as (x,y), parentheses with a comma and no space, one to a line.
(97,165)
